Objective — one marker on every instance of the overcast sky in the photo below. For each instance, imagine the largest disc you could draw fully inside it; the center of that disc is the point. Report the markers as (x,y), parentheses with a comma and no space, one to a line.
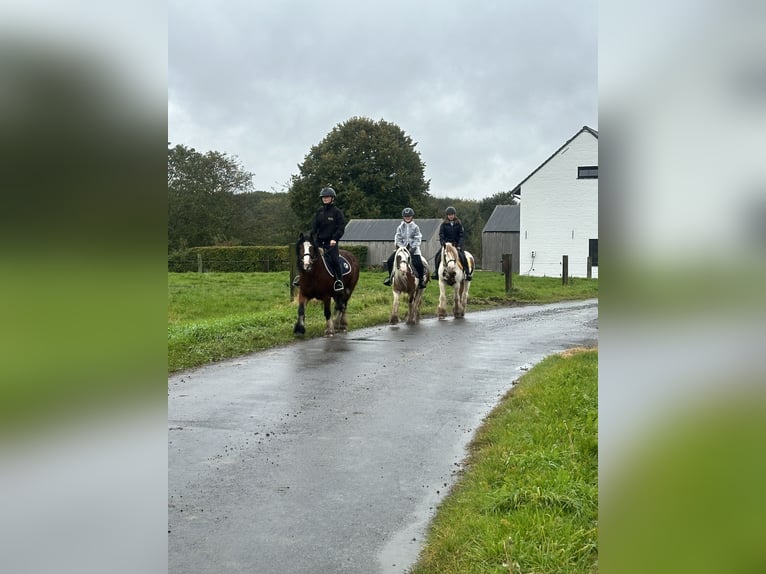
(487,88)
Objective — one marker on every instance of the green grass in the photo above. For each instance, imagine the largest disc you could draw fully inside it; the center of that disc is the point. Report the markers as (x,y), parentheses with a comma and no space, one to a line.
(215,316)
(527,500)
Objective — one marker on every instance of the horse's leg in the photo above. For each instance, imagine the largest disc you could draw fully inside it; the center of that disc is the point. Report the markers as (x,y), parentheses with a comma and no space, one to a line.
(441,310)
(340,315)
(413,295)
(300,324)
(394,318)
(329,330)
(456,299)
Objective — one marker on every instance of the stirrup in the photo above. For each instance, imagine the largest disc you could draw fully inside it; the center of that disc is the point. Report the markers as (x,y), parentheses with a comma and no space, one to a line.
(387,281)
(296,280)
(338,285)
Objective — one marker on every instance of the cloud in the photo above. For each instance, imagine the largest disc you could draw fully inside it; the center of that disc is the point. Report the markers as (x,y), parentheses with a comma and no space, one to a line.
(488,90)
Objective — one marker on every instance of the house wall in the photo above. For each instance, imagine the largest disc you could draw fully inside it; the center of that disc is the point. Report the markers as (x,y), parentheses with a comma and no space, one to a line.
(559,213)
(494,245)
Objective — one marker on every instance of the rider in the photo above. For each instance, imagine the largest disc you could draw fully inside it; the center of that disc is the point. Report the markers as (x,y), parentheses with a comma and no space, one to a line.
(327,228)
(451,231)
(408,235)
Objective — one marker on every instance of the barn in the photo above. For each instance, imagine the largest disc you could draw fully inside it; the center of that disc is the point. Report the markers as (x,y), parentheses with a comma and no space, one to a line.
(378,236)
(500,236)
(559,211)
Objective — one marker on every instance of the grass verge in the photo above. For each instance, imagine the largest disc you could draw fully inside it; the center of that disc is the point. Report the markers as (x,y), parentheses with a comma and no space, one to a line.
(215,316)
(527,500)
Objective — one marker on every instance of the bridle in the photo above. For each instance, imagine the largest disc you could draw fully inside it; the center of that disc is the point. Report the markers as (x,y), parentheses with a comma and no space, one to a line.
(307,258)
(405,257)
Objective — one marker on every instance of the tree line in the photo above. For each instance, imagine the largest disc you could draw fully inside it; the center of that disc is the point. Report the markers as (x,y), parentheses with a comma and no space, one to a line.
(373,166)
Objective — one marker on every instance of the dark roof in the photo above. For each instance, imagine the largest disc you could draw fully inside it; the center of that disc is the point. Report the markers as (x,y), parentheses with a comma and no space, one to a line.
(503,218)
(591,131)
(384,229)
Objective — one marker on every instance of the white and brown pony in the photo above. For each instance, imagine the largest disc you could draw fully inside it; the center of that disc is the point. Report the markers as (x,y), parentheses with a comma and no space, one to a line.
(404,282)
(452,275)
(317,283)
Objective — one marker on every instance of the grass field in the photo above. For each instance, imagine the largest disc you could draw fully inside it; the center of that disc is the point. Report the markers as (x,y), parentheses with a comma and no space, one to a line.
(215,316)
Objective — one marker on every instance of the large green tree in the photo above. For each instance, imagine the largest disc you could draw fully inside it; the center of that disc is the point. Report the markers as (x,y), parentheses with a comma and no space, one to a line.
(201,188)
(373,167)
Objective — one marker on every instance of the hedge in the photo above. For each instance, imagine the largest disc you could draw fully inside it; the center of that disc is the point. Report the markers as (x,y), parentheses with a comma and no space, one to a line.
(242,259)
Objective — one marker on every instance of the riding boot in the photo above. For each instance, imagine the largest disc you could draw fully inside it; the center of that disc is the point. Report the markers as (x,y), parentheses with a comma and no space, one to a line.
(435,274)
(296,281)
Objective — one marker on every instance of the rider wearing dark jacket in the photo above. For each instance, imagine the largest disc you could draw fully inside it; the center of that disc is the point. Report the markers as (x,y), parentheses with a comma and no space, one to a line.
(451,231)
(327,228)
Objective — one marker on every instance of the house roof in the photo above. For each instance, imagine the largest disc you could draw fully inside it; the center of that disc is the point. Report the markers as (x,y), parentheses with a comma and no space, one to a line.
(591,131)
(503,218)
(384,229)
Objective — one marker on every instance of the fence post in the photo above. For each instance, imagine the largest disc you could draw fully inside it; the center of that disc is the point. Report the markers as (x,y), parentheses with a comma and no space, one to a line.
(507,271)
(590,267)
(292,262)
(199,262)
(565,269)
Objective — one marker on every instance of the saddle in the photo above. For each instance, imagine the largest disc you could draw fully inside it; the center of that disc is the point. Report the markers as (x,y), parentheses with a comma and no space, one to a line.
(345,267)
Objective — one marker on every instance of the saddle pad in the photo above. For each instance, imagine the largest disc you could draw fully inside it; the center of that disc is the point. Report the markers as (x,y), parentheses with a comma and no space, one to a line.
(344,265)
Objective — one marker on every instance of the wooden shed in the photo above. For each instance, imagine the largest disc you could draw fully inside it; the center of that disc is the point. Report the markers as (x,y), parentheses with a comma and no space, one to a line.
(499,236)
(378,236)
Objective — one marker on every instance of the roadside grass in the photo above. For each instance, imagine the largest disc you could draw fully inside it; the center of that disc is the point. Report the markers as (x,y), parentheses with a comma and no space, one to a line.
(216,316)
(527,499)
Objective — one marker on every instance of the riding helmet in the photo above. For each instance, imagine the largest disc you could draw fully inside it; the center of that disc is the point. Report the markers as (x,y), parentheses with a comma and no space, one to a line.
(450,211)
(408,212)
(327,191)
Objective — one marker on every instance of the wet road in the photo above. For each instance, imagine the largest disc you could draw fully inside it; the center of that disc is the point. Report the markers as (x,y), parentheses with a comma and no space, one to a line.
(330,455)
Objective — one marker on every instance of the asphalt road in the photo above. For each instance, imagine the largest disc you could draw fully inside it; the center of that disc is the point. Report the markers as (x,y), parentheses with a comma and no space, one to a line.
(331,455)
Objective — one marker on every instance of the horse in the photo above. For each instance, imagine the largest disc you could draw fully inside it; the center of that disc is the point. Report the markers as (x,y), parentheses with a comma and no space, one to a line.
(405,281)
(451,274)
(317,283)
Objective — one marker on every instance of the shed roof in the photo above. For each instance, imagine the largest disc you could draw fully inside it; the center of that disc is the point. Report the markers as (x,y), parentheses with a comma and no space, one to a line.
(384,229)
(504,218)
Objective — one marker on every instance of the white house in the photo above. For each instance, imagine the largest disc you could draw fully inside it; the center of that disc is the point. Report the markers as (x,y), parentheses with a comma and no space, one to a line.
(559,211)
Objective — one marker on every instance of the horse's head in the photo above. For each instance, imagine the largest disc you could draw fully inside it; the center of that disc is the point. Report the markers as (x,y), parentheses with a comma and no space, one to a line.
(402,259)
(306,251)
(449,263)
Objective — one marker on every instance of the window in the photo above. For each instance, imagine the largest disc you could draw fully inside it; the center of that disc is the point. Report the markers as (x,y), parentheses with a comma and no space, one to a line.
(587,172)
(593,251)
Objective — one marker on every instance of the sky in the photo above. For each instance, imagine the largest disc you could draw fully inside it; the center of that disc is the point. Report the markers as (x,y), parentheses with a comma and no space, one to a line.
(487,89)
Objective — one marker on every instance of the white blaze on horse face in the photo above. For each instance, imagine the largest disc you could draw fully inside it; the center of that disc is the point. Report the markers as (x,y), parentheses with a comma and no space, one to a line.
(306,254)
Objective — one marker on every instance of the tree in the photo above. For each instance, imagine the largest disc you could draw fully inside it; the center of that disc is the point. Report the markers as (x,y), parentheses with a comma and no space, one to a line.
(263,218)
(201,188)
(373,167)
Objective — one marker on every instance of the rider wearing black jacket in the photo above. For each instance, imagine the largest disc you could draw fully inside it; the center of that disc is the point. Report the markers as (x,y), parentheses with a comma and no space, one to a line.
(451,231)
(327,227)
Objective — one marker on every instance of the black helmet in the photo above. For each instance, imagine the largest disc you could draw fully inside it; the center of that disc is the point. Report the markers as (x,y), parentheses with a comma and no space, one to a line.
(327,191)
(408,212)
(450,211)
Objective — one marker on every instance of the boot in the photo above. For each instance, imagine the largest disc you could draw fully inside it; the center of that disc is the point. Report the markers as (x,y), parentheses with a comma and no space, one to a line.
(422,284)
(468,276)
(435,275)
(387,280)
(338,285)
(296,281)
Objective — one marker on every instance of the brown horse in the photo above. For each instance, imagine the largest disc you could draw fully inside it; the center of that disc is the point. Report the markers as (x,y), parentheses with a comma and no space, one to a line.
(452,274)
(317,283)
(405,282)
